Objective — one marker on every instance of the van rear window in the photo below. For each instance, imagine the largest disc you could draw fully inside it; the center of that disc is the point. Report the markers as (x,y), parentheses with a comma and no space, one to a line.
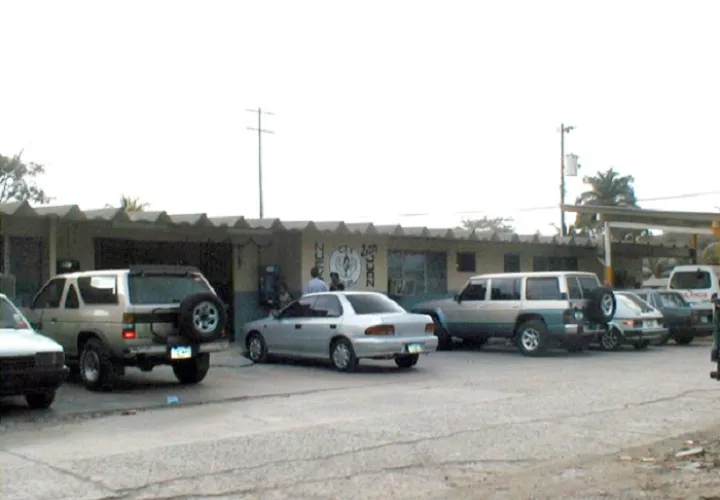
(691,280)
(164,289)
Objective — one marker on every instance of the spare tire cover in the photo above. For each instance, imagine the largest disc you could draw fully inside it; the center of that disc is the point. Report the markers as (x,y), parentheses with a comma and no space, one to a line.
(202,317)
(601,305)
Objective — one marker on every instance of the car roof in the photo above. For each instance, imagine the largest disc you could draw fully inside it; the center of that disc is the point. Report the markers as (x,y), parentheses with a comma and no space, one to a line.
(342,292)
(100,272)
(534,274)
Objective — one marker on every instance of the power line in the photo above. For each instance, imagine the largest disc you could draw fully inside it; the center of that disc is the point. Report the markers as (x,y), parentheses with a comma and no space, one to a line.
(553,207)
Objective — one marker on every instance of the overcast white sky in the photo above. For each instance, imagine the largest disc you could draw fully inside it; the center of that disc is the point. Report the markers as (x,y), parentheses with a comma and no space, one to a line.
(383,108)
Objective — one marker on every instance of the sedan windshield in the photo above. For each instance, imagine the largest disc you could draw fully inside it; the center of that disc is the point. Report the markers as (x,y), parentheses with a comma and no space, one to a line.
(11,317)
(671,299)
(372,303)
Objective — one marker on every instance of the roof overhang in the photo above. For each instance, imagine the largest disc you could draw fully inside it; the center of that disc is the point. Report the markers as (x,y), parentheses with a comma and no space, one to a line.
(638,218)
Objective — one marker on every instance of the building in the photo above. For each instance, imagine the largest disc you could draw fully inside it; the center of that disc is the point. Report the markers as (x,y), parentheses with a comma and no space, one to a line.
(409,263)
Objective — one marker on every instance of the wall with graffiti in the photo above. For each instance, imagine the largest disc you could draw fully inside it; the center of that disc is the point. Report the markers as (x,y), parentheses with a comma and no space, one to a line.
(360,261)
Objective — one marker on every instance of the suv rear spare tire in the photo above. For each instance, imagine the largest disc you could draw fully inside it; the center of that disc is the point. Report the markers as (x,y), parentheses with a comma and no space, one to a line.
(601,305)
(202,317)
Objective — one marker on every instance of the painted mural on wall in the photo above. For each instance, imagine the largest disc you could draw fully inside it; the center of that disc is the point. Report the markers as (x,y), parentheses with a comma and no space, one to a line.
(368,253)
(347,262)
(320,257)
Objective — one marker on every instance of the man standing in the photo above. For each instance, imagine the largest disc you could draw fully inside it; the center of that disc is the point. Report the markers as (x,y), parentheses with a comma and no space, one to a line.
(316,284)
(335,284)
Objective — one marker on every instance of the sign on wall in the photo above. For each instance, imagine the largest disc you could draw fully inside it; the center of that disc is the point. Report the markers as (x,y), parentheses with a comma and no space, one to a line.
(347,263)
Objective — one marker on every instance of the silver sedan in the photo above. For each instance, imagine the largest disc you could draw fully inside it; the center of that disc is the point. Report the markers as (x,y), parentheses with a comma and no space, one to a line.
(343,327)
(635,322)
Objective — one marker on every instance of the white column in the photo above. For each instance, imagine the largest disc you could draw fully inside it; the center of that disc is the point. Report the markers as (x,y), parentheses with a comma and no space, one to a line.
(609,275)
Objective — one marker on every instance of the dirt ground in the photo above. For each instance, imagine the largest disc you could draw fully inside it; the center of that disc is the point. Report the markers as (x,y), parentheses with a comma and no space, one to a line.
(658,471)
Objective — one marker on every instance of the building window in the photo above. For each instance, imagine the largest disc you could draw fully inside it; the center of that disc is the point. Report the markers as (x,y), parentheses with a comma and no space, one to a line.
(417,273)
(512,263)
(555,264)
(466,262)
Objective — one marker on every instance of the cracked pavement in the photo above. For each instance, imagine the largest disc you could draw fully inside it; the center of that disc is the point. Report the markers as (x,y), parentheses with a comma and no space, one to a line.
(461,425)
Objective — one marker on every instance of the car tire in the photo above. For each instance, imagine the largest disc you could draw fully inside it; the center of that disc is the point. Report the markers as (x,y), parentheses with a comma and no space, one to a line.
(192,371)
(342,356)
(532,338)
(256,348)
(445,342)
(97,370)
(601,305)
(40,400)
(202,317)
(611,339)
(686,340)
(642,345)
(407,361)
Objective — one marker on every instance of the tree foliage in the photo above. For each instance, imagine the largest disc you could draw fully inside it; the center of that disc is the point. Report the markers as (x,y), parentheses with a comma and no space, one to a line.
(17,180)
(495,224)
(606,189)
(129,204)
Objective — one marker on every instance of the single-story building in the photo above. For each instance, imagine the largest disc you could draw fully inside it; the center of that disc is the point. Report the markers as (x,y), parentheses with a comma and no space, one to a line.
(408,263)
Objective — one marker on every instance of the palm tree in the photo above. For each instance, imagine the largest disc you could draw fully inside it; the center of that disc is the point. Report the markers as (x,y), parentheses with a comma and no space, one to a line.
(129,204)
(607,189)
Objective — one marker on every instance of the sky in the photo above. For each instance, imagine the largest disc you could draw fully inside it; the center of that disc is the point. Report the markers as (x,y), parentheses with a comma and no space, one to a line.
(412,112)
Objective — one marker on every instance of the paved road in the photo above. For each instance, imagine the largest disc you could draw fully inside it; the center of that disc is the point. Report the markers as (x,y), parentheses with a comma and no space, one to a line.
(458,426)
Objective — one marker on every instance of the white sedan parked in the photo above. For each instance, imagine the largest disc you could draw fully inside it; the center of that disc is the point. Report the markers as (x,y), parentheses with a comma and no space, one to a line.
(343,327)
(31,364)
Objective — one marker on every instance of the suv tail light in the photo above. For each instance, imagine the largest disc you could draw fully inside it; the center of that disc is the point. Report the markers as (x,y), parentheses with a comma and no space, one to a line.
(381,330)
(430,328)
(128,326)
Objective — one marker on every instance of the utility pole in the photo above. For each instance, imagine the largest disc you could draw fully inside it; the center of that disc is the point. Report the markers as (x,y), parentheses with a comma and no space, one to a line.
(260,132)
(563,130)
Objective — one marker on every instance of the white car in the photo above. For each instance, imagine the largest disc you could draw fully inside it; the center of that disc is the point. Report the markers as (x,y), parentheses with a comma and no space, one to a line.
(31,364)
(343,327)
(636,322)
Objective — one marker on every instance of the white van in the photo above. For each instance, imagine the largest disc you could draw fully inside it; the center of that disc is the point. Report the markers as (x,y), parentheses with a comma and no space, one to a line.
(697,283)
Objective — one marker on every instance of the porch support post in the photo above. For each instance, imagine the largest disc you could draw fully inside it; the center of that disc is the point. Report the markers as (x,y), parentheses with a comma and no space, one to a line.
(694,246)
(52,246)
(609,275)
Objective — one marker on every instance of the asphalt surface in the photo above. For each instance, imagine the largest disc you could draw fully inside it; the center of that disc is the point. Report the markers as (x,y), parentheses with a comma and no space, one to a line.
(459,425)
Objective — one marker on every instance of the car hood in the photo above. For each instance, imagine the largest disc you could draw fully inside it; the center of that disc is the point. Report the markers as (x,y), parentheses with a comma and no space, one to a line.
(433,304)
(25,342)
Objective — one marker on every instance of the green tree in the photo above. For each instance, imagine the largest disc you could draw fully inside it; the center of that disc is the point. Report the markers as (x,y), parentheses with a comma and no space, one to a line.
(17,180)
(709,255)
(129,204)
(496,224)
(606,189)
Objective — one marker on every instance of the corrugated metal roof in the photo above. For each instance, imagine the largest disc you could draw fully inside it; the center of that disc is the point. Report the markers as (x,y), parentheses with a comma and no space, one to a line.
(201,220)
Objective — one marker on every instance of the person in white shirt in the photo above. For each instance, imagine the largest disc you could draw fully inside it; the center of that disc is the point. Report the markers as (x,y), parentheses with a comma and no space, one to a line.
(316,284)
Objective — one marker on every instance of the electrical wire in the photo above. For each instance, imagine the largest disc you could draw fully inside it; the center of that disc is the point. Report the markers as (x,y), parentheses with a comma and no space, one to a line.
(551,207)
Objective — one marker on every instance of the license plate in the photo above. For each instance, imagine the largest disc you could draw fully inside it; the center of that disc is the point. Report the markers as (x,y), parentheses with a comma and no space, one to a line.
(180,352)
(650,324)
(414,348)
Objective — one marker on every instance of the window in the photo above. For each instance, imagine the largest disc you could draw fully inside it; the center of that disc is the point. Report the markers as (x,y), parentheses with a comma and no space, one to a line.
(156,289)
(691,280)
(11,317)
(372,303)
(417,273)
(555,264)
(542,289)
(632,303)
(512,263)
(588,284)
(466,262)
(327,306)
(49,297)
(574,290)
(101,290)
(299,309)
(476,290)
(72,301)
(505,289)
(672,299)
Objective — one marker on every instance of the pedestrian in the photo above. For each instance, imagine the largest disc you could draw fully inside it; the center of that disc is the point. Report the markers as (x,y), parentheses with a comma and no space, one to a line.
(284,297)
(316,284)
(335,284)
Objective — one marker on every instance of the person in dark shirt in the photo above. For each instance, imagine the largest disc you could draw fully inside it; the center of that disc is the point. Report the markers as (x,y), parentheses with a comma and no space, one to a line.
(335,284)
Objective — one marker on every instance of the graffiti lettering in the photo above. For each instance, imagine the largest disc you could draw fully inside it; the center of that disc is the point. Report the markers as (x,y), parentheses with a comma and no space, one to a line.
(368,251)
(320,257)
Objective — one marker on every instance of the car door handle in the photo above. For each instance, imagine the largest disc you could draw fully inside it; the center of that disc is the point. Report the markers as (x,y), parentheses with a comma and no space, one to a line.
(333,327)
(297,327)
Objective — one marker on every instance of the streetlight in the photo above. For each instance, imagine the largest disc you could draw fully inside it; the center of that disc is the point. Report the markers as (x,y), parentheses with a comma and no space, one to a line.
(572,171)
